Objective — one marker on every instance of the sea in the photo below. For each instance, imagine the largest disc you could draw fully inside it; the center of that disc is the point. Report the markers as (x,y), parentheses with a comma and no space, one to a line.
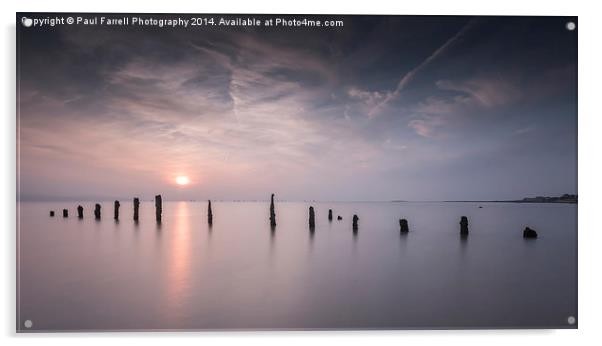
(241,274)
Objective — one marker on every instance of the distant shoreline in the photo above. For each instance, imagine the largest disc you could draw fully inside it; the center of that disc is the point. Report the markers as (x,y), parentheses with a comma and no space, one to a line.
(515,201)
(566,199)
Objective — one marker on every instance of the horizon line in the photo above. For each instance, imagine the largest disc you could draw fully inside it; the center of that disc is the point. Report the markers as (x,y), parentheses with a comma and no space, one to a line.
(523,200)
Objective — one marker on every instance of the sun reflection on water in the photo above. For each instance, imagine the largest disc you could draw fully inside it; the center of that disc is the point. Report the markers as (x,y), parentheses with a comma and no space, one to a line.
(178,266)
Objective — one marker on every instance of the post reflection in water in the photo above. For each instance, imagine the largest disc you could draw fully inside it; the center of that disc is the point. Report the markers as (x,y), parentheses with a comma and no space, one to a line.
(403,241)
(243,275)
(272,239)
(463,249)
(179,261)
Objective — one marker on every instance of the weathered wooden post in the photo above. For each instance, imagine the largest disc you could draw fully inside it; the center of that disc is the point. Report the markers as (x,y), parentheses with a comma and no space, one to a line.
(209,214)
(65,213)
(403,226)
(52,213)
(80,212)
(97,211)
(464,226)
(136,207)
(312,219)
(158,208)
(272,213)
(355,225)
(116,214)
(529,233)
(329,214)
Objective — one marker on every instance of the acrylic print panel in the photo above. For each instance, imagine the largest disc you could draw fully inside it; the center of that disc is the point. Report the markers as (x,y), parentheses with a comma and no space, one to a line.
(203,172)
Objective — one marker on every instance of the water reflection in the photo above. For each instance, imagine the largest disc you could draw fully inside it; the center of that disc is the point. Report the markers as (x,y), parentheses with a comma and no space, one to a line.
(178,267)
(310,243)
(354,244)
(272,246)
(272,236)
(209,232)
(531,242)
(463,246)
(403,240)
(180,278)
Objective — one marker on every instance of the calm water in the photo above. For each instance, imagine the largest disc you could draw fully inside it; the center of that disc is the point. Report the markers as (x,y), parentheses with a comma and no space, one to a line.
(87,275)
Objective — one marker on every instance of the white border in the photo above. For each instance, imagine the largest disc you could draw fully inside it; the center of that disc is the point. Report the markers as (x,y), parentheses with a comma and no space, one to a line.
(590,192)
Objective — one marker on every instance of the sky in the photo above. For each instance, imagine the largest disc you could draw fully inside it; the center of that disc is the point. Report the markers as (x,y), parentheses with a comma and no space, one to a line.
(383,108)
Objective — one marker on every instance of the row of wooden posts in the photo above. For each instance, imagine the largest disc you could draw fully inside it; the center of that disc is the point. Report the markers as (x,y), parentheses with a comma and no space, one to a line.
(403,223)
(117,205)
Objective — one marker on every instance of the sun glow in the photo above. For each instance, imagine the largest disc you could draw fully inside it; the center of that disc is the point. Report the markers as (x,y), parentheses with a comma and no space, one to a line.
(182,180)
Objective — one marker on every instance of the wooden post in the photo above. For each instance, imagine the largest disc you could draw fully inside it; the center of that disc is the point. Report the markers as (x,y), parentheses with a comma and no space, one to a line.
(80,212)
(403,226)
(52,213)
(329,214)
(209,214)
(464,226)
(136,206)
(158,208)
(97,211)
(529,233)
(355,225)
(65,213)
(116,214)
(312,219)
(272,213)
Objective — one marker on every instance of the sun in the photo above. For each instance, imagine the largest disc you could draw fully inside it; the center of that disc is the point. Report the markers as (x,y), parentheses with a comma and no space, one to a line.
(182,180)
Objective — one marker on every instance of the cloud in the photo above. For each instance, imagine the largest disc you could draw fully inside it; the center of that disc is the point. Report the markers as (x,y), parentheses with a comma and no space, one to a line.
(393,145)
(523,130)
(370,98)
(472,97)
(365,100)
(410,75)
(427,125)
(484,92)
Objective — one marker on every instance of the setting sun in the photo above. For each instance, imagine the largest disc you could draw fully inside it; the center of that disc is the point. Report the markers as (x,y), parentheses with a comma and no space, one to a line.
(182,180)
